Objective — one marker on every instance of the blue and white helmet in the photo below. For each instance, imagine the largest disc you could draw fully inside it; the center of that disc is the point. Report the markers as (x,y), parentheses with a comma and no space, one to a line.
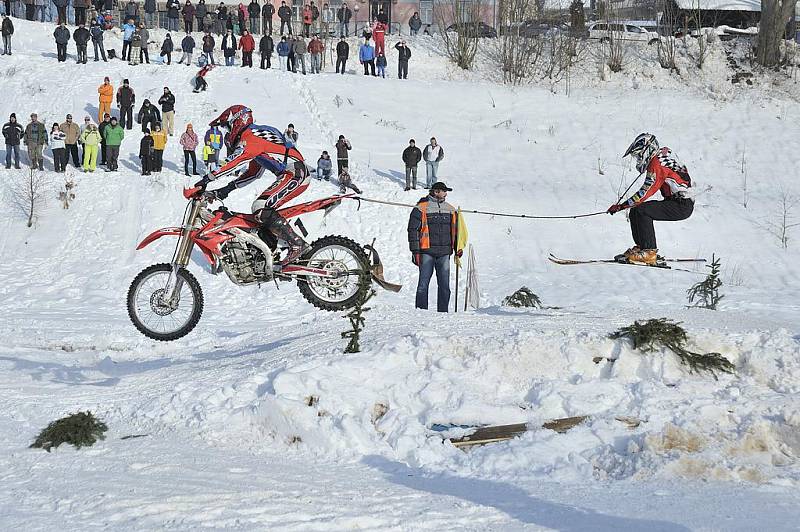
(643,148)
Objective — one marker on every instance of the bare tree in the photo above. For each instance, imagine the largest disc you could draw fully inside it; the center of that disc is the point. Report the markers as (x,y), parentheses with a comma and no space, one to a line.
(703,38)
(775,15)
(614,51)
(784,217)
(28,194)
(667,42)
(461,45)
(517,55)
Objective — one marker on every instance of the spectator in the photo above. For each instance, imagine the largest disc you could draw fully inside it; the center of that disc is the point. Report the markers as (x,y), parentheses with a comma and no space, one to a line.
(7,30)
(150,13)
(382,17)
(366,56)
(411,157)
(343,15)
(229,48)
(314,17)
(189,143)
(112,139)
(316,48)
(38,6)
(145,38)
(266,13)
(127,36)
(307,19)
(81,36)
(101,128)
(208,48)
(209,157)
(243,15)
(173,12)
(35,139)
(73,133)
(342,147)
(167,103)
(265,47)
(200,80)
(166,49)
(87,122)
(431,232)
(291,134)
(187,47)
(12,133)
(299,48)
(328,18)
(213,138)
(80,11)
(283,53)
(403,55)
(379,34)
(247,44)
(188,11)
(132,11)
(148,116)
(285,14)
(57,147)
(380,62)
(427,30)
(126,99)
(414,23)
(91,142)
(345,182)
(342,53)
(96,31)
(62,36)
(254,13)
(61,10)
(200,12)
(159,143)
(290,62)
(324,166)
(222,18)
(135,53)
(366,34)
(433,154)
(208,22)
(146,152)
(106,92)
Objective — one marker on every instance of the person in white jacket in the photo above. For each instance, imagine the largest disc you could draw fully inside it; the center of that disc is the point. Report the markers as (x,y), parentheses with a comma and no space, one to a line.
(432,154)
(58,148)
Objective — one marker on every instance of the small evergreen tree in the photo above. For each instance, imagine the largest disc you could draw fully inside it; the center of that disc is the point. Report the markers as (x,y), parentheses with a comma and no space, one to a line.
(655,334)
(81,430)
(705,294)
(523,297)
(357,323)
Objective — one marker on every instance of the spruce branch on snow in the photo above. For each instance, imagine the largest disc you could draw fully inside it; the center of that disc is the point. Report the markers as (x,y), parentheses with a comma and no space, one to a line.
(705,294)
(524,297)
(655,334)
(357,322)
(80,430)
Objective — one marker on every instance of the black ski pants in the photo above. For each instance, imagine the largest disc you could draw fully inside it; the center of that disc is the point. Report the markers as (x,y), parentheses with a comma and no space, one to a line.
(668,210)
(340,62)
(371,65)
(402,70)
(126,117)
(72,149)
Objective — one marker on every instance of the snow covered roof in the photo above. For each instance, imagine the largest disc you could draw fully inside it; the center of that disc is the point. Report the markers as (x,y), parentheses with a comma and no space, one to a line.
(721,5)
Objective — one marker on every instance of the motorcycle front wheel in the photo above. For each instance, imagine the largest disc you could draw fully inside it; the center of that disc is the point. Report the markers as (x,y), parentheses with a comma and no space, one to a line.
(350,275)
(148,311)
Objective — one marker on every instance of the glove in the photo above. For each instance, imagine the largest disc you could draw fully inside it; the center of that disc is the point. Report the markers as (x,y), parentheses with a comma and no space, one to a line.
(615,208)
(415,259)
(459,253)
(203,182)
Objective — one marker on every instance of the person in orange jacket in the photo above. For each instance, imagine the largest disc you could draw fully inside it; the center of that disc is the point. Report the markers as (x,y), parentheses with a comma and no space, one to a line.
(106,91)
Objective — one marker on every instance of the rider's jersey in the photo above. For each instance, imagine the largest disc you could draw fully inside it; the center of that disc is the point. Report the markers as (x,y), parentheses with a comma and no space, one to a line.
(665,173)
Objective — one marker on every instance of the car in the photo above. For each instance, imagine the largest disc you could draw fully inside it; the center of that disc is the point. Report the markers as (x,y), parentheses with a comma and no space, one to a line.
(604,31)
(537,29)
(480,29)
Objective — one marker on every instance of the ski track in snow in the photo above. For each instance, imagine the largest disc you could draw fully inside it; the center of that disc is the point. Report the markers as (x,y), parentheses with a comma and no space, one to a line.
(230,439)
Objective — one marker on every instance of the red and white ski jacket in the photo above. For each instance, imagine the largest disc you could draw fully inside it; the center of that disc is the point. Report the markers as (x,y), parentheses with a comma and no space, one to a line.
(665,174)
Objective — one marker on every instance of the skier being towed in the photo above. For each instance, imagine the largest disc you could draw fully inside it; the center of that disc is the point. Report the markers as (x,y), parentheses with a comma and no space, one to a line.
(254,149)
(665,174)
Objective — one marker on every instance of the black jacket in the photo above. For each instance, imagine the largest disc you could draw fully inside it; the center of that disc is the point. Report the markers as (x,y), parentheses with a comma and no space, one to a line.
(61,35)
(200,10)
(167,47)
(343,49)
(343,14)
(146,146)
(81,36)
(97,33)
(229,45)
(148,113)
(187,44)
(285,13)
(125,97)
(342,147)
(404,52)
(440,218)
(7,27)
(265,45)
(208,43)
(267,11)
(173,8)
(412,156)
(167,102)
(254,10)
(12,132)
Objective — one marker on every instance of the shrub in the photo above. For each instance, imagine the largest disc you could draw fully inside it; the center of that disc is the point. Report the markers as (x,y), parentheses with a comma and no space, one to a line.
(80,430)
(523,297)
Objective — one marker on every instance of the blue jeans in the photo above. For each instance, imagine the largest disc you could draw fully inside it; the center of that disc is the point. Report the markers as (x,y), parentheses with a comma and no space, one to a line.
(229,60)
(429,263)
(15,149)
(431,168)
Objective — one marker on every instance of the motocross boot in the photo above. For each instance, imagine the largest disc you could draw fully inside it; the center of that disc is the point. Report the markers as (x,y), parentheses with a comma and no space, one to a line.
(297,246)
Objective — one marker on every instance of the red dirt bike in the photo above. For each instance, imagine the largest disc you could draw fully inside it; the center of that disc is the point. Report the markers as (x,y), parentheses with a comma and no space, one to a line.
(165,300)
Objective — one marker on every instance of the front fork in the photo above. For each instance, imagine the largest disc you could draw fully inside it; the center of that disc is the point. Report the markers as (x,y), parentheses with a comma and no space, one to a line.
(183,252)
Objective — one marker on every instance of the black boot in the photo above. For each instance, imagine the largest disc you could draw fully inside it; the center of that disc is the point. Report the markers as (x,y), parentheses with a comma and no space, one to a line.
(297,246)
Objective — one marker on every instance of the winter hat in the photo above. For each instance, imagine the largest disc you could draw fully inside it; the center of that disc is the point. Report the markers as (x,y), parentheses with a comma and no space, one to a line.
(106,79)
(13,115)
(113,119)
(124,81)
(146,131)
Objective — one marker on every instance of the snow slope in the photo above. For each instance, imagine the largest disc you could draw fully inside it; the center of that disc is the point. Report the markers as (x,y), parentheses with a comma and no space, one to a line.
(230,439)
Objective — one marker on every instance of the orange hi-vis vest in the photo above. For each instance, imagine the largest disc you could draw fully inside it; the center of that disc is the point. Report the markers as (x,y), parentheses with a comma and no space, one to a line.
(424,230)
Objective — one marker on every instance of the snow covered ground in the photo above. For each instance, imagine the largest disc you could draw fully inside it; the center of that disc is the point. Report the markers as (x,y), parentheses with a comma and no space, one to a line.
(230,441)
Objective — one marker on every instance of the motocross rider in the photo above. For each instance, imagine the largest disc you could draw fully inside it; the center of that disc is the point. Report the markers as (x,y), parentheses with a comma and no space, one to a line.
(254,149)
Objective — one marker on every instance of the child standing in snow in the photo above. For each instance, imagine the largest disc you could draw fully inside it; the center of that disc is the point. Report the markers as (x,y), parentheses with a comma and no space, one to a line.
(209,157)
(146,152)
(159,143)
(381,64)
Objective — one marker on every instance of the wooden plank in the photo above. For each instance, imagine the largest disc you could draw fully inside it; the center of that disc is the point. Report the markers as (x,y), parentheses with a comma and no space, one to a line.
(484,435)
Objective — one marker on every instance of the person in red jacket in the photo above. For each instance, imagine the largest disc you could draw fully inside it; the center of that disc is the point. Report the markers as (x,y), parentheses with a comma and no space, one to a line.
(316,48)
(379,35)
(247,44)
(665,174)
(308,18)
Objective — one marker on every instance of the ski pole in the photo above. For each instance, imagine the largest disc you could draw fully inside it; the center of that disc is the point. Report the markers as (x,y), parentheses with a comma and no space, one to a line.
(627,189)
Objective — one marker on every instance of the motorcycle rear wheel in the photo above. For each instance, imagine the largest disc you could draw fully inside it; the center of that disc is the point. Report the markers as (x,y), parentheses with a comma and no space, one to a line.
(344,256)
(151,317)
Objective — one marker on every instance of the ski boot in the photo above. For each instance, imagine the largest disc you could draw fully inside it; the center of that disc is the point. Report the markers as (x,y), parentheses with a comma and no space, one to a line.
(647,257)
(623,257)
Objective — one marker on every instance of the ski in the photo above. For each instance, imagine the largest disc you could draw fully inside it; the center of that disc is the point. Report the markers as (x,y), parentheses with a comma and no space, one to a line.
(662,266)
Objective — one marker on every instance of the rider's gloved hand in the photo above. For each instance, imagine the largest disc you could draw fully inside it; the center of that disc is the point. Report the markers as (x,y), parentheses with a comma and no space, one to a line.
(219,194)
(203,182)
(615,208)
